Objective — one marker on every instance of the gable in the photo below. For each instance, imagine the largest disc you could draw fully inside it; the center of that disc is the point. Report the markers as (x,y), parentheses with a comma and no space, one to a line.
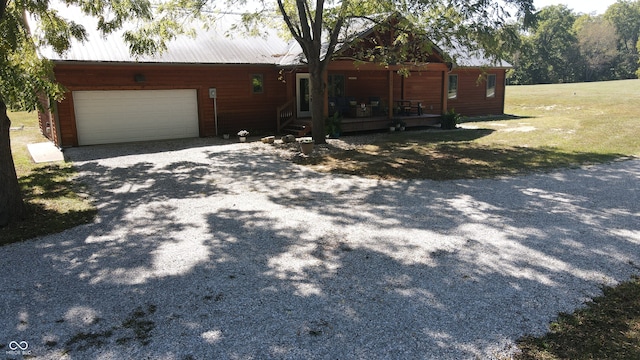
(393,41)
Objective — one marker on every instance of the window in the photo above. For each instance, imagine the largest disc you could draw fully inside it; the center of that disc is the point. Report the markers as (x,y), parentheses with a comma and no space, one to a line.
(336,85)
(491,85)
(453,87)
(257,83)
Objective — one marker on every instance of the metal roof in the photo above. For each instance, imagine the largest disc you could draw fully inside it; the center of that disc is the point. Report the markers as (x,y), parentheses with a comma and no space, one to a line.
(209,46)
(213,45)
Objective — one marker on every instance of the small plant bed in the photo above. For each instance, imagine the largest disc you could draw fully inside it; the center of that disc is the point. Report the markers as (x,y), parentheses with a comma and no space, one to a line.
(50,194)
(608,328)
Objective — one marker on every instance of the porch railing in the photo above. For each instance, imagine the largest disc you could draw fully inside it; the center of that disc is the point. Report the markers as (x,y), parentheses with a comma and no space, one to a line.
(286,114)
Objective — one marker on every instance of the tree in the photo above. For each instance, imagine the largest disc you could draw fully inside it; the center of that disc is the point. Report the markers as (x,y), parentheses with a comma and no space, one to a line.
(625,16)
(597,39)
(25,78)
(638,47)
(550,52)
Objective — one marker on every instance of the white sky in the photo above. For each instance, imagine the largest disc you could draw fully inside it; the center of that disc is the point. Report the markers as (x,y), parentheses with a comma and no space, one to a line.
(578,6)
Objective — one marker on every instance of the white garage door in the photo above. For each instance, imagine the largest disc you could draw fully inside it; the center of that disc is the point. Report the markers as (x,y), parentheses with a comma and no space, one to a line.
(104,117)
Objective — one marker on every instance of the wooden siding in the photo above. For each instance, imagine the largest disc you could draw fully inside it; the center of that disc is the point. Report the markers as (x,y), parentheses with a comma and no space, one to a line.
(362,85)
(46,120)
(237,106)
(427,87)
(472,97)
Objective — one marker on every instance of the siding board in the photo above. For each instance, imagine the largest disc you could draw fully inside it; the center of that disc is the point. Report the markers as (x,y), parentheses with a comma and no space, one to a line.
(472,97)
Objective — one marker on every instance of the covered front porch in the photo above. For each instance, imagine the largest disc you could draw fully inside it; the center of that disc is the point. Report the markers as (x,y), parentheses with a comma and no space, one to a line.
(369,96)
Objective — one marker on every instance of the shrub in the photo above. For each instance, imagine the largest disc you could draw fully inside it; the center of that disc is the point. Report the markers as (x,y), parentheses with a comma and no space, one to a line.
(450,119)
(332,125)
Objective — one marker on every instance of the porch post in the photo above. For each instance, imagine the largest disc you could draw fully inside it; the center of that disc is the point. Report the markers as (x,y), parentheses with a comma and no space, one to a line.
(445,90)
(390,112)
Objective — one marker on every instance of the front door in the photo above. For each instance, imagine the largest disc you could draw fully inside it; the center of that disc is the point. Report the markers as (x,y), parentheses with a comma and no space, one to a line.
(303,95)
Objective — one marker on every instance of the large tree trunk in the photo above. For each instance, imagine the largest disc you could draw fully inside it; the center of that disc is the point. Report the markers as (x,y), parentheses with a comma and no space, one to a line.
(317,102)
(11,205)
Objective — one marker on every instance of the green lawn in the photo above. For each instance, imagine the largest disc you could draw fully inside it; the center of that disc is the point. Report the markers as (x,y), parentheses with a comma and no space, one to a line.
(608,328)
(600,117)
(547,127)
(49,191)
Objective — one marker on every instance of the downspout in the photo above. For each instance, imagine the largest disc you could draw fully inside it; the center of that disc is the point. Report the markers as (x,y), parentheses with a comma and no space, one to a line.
(215,113)
(504,89)
(213,94)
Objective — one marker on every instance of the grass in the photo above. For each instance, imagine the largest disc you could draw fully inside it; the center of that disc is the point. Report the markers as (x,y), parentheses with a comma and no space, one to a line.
(51,196)
(552,126)
(608,328)
(446,156)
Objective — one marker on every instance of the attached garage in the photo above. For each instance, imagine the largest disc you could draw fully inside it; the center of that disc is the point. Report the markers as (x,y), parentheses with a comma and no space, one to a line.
(117,116)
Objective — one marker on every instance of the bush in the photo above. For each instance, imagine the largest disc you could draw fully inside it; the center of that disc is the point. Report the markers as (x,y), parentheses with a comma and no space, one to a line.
(332,125)
(450,119)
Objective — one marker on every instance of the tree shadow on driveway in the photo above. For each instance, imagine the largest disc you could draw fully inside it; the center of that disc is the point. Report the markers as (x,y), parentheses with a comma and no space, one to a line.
(243,255)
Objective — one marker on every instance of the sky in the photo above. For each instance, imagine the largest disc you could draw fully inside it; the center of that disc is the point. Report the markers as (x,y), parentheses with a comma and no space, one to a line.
(578,6)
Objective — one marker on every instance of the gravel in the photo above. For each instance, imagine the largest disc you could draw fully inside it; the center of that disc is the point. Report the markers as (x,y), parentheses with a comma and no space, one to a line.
(208,249)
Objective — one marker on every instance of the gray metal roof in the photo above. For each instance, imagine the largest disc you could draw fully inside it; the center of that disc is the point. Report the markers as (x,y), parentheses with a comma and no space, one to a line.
(211,46)
(463,57)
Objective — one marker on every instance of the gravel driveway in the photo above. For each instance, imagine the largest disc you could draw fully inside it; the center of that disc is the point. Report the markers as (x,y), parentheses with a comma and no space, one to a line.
(205,250)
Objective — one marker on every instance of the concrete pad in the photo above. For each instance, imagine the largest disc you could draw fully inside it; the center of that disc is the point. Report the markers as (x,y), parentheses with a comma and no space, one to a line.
(45,152)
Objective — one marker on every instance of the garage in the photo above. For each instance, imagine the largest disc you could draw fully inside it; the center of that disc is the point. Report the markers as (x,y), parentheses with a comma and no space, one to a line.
(104,117)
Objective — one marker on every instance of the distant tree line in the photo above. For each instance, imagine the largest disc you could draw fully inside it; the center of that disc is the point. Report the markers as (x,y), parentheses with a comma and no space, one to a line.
(562,46)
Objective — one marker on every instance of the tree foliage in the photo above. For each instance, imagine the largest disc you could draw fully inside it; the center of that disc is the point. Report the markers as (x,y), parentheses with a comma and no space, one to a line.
(552,45)
(567,47)
(625,17)
(597,40)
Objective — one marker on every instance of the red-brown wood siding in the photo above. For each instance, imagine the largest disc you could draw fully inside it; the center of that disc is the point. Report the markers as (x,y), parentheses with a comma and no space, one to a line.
(427,87)
(67,122)
(420,85)
(362,85)
(472,97)
(46,120)
(237,106)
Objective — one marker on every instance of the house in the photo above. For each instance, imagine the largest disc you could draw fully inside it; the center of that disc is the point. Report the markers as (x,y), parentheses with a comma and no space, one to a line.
(214,84)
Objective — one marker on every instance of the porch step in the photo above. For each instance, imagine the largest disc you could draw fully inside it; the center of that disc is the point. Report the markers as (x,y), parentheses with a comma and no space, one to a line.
(298,128)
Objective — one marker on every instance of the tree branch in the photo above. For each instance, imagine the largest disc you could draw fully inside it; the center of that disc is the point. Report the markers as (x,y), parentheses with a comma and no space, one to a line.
(295,32)
(3,7)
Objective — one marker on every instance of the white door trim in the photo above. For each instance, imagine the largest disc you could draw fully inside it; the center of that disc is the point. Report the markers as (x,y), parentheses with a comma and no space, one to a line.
(303,95)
